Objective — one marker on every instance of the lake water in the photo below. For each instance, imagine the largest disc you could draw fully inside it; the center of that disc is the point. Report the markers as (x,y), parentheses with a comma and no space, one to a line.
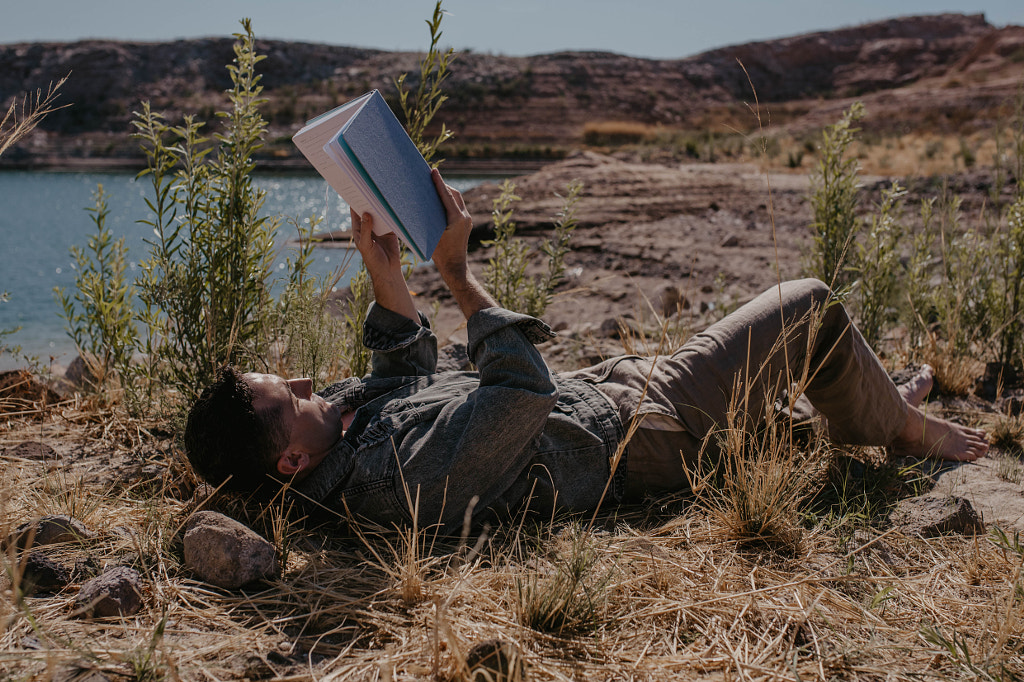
(42,214)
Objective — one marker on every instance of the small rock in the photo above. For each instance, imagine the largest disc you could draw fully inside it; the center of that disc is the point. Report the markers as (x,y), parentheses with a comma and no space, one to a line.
(44,574)
(226,553)
(996,378)
(79,374)
(670,300)
(934,514)
(32,450)
(453,358)
(615,327)
(1012,405)
(118,592)
(609,328)
(494,661)
(645,547)
(730,241)
(49,530)
(33,643)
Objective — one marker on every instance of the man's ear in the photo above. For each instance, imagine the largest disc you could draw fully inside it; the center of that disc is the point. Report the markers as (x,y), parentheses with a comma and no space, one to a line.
(291,463)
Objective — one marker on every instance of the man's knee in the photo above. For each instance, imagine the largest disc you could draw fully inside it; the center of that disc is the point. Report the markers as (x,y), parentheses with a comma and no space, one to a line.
(813,290)
(812,300)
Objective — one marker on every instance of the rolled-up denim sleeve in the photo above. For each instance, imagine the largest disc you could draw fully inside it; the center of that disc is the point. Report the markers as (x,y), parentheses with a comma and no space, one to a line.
(400,346)
(480,442)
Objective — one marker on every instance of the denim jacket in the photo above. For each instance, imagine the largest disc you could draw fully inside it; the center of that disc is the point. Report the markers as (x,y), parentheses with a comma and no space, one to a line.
(457,445)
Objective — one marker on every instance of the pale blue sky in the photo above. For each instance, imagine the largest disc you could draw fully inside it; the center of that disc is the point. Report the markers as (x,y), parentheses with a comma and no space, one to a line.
(647,28)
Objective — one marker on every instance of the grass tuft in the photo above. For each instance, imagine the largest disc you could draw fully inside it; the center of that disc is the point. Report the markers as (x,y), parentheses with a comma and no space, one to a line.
(569,592)
(1007,433)
(956,373)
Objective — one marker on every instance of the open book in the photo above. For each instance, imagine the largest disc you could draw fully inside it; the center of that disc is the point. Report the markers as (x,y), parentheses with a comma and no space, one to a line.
(365,154)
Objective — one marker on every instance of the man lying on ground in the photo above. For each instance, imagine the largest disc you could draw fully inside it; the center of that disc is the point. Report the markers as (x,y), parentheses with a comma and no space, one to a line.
(457,444)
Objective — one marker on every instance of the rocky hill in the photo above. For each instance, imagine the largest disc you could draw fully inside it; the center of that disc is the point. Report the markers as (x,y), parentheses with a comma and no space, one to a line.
(947,72)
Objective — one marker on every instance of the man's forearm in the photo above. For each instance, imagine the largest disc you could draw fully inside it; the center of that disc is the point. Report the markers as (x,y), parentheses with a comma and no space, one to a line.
(395,296)
(469,294)
(450,254)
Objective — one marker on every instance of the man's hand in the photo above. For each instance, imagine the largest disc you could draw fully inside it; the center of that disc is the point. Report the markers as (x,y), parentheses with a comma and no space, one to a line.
(450,255)
(383,260)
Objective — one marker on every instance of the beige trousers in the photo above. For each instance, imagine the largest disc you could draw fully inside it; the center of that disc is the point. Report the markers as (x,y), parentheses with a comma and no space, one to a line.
(790,335)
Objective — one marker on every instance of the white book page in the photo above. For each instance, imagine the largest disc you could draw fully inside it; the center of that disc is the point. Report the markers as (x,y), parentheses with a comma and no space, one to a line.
(365,200)
(345,181)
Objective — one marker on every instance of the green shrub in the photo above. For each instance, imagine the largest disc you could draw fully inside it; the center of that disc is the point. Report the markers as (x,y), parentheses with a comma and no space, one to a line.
(311,338)
(204,292)
(505,276)
(4,333)
(1010,305)
(573,596)
(98,316)
(834,198)
(916,307)
(876,262)
(963,301)
(205,287)
(420,109)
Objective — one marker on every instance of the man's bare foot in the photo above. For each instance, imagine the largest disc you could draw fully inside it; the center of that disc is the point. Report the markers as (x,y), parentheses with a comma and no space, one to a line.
(925,435)
(918,387)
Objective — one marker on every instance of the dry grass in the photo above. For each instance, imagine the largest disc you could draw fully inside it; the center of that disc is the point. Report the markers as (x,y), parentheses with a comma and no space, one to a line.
(1007,433)
(21,117)
(660,591)
(618,132)
(955,374)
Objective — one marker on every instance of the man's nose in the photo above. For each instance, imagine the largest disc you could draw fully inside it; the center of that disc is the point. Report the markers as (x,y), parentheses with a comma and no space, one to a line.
(302,388)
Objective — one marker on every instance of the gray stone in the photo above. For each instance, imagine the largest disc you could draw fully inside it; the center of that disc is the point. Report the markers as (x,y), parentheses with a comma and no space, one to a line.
(937,514)
(117,592)
(226,553)
(616,327)
(453,358)
(669,300)
(1000,502)
(79,373)
(49,530)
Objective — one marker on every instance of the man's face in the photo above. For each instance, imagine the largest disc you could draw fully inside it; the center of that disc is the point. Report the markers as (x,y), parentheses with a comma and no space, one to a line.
(314,424)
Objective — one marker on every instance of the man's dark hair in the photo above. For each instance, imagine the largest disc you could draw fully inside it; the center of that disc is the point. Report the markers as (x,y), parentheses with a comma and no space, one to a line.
(227,440)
